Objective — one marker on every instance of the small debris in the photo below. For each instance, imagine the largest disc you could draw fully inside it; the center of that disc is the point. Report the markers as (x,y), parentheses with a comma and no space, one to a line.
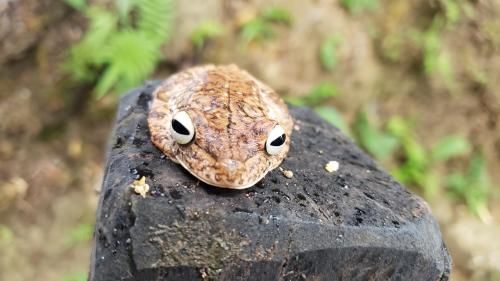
(263,220)
(296,127)
(288,174)
(204,274)
(140,187)
(332,166)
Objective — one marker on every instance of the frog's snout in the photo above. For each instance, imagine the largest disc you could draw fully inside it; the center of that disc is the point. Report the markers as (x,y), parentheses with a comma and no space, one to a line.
(230,169)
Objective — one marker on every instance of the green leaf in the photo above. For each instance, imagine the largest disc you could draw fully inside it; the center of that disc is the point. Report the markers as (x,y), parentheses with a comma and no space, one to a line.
(108,80)
(85,55)
(6,235)
(376,142)
(430,182)
(400,127)
(415,154)
(473,187)
(320,93)
(132,57)
(358,6)
(102,24)
(436,60)
(296,101)
(456,182)
(328,53)
(257,30)
(76,276)
(452,10)
(278,15)
(155,19)
(81,233)
(124,7)
(77,4)
(204,32)
(477,174)
(450,147)
(120,48)
(330,114)
(261,27)
(401,175)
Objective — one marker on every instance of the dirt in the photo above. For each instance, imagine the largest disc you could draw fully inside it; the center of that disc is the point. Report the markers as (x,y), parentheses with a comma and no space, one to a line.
(54,137)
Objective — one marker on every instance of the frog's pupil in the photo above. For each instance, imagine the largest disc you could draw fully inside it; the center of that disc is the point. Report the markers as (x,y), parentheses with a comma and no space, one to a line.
(279,140)
(179,128)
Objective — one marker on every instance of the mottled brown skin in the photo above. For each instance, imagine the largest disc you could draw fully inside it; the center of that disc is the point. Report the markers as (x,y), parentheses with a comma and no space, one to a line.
(232,113)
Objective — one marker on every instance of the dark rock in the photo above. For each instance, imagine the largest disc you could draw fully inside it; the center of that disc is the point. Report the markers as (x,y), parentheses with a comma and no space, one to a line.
(355,224)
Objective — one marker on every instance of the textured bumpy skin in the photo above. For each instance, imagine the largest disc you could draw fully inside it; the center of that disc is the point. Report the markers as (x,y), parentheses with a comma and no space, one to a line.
(232,113)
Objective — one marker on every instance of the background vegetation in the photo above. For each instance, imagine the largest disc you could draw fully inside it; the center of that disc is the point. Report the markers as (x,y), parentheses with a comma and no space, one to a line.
(415,83)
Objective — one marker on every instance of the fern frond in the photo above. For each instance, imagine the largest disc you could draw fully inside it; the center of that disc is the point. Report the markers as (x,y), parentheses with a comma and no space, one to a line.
(89,51)
(124,7)
(131,57)
(155,18)
(117,51)
(77,4)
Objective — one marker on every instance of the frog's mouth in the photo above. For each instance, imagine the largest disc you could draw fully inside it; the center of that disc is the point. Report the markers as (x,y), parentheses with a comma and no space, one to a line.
(226,177)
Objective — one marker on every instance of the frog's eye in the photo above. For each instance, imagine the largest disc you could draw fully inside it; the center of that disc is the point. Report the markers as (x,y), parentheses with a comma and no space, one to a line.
(275,140)
(182,128)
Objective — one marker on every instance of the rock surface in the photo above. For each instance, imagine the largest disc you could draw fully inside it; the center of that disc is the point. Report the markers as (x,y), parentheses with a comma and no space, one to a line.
(354,224)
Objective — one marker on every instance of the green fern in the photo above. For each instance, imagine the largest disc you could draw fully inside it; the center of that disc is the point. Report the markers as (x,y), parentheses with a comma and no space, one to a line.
(118,51)
(131,57)
(155,18)
(88,53)
(204,32)
(262,27)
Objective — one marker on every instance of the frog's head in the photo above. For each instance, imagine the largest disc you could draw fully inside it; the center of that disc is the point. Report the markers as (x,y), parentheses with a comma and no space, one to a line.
(231,156)
(224,126)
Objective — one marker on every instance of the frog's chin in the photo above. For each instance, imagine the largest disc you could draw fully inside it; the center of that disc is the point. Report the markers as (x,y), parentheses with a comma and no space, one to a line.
(221,184)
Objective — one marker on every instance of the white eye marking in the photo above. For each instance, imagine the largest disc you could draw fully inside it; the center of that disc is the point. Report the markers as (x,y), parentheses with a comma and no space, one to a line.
(182,128)
(275,140)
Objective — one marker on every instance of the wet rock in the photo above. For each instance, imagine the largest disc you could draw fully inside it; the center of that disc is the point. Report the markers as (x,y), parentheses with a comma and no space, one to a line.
(355,224)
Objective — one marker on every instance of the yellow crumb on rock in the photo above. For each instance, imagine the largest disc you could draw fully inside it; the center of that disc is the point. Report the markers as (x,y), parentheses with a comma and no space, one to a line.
(140,187)
(332,166)
(288,174)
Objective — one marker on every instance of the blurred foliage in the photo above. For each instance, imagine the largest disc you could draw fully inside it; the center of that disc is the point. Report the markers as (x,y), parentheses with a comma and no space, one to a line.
(332,116)
(328,52)
(358,6)
(436,60)
(316,99)
(432,43)
(122,47)
(473,186)
(419,164)
(75,276)
(6,235)
(81,233)
(204,32)
(377,142)
(318,95)
(262,27)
